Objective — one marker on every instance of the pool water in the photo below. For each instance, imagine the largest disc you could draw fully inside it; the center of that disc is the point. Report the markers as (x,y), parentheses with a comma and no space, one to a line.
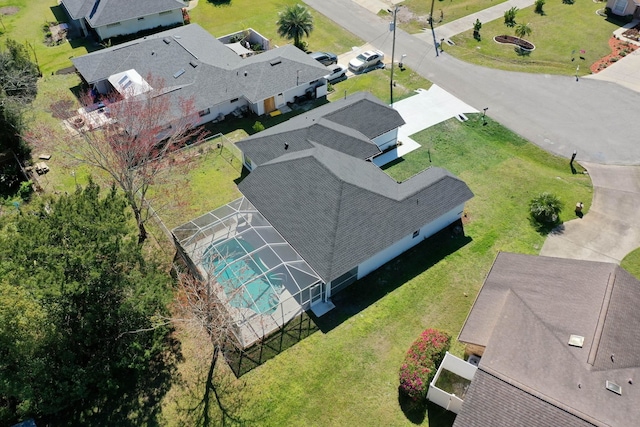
(241,278)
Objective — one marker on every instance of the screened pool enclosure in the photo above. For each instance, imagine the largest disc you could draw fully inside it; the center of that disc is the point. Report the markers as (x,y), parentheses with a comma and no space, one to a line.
(255,272)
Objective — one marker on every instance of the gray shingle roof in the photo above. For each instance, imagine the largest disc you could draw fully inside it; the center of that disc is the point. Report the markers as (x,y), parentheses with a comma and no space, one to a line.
(219,75)
(326,125)
(525,313)
(105,12)
(338,211)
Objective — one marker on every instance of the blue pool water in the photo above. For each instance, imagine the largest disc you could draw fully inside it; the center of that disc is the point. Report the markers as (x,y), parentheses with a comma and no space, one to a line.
(256,294)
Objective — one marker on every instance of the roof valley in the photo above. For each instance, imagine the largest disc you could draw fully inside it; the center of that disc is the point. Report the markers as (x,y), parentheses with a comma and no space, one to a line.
(593,352)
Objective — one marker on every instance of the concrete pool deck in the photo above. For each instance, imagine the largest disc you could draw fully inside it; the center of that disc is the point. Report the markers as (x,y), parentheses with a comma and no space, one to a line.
(421,111)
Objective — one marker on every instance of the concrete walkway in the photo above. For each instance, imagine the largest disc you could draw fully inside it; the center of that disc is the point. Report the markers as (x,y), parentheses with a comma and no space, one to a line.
(610,229)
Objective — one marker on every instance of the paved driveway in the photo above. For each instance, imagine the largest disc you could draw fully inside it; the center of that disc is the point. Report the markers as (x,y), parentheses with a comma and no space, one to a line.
(610,230)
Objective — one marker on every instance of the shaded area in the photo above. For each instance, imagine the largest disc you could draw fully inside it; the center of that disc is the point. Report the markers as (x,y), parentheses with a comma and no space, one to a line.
(294,331)
(417,412)
(392,275)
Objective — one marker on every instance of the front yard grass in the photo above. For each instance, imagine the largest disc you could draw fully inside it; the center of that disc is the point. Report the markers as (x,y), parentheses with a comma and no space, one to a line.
(563,29)
(416,18)
(631,263)
(348,374)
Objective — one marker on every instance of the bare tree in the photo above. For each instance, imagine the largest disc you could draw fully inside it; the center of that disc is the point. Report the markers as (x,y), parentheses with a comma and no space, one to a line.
(131,148)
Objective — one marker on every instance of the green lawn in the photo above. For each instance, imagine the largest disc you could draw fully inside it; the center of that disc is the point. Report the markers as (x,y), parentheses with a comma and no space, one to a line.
(443,12)
(221,18)
(348,375)
(631,263)
(563,28)
(377,82)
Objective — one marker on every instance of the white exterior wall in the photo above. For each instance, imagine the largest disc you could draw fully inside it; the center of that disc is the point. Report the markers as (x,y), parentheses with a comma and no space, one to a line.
(459,367)
(629,7)
(387,140)
(224,108)
(289,95)
(131,26)
(409,241)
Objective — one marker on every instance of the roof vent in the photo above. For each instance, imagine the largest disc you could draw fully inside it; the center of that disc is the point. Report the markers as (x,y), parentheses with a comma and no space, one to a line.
(275,62)
(194,64)
(166,40)
(178,73)
(611,386)
(576,341)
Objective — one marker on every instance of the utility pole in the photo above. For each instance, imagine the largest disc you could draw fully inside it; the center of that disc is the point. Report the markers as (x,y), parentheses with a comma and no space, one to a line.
(393,52)
(433,32)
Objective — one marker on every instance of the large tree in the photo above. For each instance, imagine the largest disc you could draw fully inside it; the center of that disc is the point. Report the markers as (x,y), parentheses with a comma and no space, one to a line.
(295,22)
(132,149)
(77,303)
(18,87)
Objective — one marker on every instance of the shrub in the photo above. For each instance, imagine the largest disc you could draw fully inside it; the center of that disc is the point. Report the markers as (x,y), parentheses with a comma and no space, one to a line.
(510,17)
(421,362)
(26,190)
(539,4)
(476,29)
(545,208)
(258,126)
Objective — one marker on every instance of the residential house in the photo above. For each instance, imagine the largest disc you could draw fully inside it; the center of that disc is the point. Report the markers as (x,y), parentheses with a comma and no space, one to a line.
(342,215)
(195,65)
(559,341)
(111,18)
(625,7)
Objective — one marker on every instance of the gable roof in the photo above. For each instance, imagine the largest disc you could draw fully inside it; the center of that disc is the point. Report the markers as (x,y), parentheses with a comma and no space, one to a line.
(338,211)
(213,73)
(525,313)
(105,12)
(347,125)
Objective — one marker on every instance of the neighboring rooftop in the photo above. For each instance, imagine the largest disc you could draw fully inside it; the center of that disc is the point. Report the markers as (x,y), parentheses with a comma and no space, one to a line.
(105,12)
(338,211)
(213,73)
(525,314)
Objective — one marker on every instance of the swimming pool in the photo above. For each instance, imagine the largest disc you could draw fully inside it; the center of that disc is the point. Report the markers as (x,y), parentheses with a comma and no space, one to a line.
(243,277)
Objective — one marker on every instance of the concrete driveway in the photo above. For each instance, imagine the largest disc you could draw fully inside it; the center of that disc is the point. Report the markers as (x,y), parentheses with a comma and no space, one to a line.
(610,229)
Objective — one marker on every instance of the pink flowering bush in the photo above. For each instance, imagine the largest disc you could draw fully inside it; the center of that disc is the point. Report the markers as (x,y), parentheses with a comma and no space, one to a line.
(421,362)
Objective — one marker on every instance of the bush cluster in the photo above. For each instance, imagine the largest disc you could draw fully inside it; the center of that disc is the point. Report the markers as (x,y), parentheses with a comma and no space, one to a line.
(421,362)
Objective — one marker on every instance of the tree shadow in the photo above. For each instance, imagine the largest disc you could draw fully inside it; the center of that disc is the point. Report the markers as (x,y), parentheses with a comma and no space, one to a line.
(417,411)
(392,275)
(546,228)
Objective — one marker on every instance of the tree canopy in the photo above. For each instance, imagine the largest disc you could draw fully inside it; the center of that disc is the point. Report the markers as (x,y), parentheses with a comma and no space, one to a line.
(18,87)
(294,23)
(77,298)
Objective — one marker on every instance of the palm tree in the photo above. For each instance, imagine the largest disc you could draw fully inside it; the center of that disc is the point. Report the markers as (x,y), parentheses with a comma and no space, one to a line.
(294,23)
(523,30)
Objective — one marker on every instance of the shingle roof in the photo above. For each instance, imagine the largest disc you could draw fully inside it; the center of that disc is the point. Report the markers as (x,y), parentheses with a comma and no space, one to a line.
(219,75)
(525,313)
(326,125)
(105,12)
(338,211)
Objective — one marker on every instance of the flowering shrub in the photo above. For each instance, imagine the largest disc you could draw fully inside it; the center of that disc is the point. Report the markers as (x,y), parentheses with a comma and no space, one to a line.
(421,362)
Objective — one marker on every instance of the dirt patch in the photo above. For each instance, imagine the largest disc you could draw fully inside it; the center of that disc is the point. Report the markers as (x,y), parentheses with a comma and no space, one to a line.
(9,10)
(405,15)
(633,33)
(619,49)
(62,109)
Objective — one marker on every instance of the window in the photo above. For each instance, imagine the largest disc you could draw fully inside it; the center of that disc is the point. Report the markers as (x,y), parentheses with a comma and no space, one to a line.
(115,24)
(416,233)
(204,112)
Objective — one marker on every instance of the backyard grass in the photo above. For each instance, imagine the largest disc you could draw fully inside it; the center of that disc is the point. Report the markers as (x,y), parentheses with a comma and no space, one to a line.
(348,373)
(221,18)
(416,16)
(563,29)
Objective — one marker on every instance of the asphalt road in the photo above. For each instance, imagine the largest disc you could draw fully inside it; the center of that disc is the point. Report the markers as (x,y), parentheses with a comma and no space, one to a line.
(596,118)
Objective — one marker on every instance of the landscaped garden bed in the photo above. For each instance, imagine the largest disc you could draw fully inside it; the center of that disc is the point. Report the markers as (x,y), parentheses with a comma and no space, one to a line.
(619,49)
(517,41)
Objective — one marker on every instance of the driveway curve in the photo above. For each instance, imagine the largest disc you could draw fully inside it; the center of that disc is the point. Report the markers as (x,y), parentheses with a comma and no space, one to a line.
(610,230)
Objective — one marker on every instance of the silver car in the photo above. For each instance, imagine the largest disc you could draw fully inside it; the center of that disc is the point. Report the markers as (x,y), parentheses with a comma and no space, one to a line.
(366,60)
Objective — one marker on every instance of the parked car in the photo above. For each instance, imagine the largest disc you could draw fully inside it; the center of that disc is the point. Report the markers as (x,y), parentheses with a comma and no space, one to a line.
(336,72)
(366,60)
(325,58)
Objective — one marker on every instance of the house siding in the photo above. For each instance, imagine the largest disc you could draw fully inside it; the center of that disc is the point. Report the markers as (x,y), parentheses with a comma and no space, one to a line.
(408,242)
(387,140)
(132,26)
